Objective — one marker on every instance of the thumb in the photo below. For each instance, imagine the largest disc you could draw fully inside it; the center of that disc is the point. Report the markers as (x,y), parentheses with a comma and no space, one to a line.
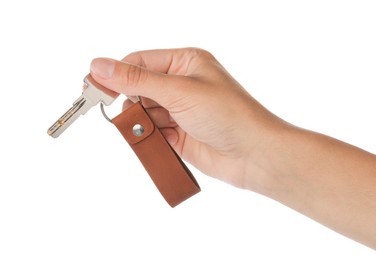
(133,80)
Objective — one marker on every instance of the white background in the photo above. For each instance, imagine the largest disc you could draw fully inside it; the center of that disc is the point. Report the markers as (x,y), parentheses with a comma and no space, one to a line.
(86,196)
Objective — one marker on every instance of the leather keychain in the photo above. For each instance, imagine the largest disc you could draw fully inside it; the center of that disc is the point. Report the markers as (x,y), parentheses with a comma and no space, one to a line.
(172,178)
(169,173)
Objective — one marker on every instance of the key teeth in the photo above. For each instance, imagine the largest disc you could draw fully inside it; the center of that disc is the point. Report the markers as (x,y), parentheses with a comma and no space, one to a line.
(51,133)
(54,128)
(93,93)
(67,118)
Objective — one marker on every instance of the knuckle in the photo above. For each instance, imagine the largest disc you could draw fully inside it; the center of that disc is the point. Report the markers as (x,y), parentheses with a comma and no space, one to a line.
(134,58)
(200,53)
(133,76)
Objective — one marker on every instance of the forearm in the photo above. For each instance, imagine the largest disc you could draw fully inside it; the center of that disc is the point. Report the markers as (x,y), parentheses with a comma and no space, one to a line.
(325,179)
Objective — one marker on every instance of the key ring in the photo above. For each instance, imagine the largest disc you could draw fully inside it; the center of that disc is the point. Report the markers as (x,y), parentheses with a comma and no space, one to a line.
(104,112)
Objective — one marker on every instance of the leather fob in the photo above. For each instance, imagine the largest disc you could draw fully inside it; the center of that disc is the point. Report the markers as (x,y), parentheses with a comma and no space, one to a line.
(169,173)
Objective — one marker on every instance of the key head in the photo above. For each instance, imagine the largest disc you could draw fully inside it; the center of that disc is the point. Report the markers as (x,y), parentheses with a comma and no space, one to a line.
(99,93)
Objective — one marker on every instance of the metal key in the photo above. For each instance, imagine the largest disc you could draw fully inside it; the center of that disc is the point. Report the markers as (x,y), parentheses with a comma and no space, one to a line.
(92,94)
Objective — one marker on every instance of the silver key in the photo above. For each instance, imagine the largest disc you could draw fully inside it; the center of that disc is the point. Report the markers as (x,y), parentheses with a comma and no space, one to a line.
(92,94)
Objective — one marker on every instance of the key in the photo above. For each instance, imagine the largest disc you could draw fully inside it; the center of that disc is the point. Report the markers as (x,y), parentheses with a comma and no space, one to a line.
(92,94)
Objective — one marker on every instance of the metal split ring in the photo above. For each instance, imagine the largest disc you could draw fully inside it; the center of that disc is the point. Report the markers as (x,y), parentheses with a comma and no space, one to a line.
(104,113)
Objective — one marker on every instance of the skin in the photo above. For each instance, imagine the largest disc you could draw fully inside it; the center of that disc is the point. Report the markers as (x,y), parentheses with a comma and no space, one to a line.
(216,125)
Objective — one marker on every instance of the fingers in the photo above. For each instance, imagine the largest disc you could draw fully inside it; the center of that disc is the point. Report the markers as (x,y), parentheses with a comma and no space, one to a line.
(155,60)
(146,102)
(167,61)
(162,120)
(134,80)
(170,61)
(160,116)
(124,77)
(155,74)
(171,135)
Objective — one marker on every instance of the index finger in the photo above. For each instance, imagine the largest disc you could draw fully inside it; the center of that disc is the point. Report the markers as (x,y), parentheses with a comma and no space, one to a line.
(167,61)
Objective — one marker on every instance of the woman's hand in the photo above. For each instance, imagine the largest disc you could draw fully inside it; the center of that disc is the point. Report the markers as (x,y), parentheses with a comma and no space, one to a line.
(204,113)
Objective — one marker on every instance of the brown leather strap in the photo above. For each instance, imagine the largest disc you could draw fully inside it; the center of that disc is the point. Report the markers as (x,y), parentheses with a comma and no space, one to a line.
(168,172)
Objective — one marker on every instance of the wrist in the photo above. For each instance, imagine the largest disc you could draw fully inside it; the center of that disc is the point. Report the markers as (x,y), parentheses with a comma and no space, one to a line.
(266,160)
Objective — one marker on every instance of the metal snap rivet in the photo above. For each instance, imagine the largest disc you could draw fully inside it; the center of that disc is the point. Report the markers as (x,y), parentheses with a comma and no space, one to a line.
(138,130)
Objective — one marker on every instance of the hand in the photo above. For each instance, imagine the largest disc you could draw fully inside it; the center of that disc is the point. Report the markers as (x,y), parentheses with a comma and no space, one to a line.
(205,115)
(219,128)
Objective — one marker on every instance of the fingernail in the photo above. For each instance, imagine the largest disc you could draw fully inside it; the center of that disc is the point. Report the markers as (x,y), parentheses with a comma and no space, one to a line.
(103,68)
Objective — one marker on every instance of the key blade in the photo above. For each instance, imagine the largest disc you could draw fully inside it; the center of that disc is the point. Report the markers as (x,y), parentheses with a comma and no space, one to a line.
(92,94)
(80,107)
